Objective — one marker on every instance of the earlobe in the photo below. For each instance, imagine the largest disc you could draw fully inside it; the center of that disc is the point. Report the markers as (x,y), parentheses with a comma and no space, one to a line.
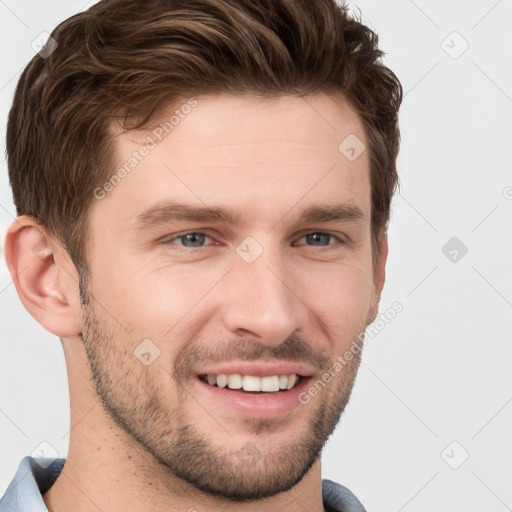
(43,276)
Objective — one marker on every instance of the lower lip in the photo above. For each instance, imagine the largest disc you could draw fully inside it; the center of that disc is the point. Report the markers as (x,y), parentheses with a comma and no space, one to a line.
(249,405)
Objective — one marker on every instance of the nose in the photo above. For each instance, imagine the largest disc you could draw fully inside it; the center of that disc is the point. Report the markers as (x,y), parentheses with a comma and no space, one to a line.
(259,300)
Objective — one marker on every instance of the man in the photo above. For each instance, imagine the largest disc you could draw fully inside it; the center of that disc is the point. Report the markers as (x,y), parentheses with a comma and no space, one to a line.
(203,190)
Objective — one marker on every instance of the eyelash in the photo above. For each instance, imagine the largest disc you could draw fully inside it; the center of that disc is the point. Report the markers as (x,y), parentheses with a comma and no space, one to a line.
(169,241)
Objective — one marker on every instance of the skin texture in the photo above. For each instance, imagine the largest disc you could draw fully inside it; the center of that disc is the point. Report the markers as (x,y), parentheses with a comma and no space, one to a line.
(149,437)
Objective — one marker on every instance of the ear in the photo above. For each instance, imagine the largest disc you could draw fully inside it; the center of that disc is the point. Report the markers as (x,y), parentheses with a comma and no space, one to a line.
(379,276)
(45,278)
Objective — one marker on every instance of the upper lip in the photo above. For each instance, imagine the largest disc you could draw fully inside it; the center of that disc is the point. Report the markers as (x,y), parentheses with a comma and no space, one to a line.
(258,369)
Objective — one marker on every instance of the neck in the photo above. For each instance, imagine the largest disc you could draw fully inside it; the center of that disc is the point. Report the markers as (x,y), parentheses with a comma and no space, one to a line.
(107,469)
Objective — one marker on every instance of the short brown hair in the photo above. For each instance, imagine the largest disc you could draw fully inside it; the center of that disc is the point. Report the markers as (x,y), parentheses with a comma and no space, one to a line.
(132,56)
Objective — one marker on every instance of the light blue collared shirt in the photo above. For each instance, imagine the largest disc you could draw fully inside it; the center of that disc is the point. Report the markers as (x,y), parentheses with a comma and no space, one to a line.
(35,476)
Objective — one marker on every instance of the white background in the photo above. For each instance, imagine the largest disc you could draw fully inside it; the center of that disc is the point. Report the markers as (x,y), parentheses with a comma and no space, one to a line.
(441,370)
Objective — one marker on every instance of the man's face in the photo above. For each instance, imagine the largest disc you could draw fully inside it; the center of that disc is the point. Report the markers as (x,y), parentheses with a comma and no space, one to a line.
(266,292)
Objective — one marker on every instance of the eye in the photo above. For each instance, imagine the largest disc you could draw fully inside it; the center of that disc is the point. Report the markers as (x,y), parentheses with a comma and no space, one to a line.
(193,239)
(319,239)
(197,239)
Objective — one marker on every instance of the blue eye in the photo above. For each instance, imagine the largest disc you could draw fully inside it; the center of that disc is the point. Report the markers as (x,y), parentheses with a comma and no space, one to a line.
(318,239)
(197,240)
(191,239)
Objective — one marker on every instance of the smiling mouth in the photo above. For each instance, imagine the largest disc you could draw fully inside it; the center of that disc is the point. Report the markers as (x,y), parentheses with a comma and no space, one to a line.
(252,383)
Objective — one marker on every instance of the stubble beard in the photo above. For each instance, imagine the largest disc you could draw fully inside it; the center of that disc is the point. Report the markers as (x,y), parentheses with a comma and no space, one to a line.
(133,400)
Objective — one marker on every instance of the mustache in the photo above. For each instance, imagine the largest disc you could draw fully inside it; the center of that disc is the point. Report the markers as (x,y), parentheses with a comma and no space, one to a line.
(292,349)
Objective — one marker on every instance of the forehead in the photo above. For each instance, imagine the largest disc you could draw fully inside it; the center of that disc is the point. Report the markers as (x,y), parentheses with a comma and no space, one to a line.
(244,152)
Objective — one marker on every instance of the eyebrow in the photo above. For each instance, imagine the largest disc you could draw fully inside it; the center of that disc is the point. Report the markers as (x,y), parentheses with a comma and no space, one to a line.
(167,212)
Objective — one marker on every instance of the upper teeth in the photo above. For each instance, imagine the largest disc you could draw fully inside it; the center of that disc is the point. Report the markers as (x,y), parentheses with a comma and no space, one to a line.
(252,383)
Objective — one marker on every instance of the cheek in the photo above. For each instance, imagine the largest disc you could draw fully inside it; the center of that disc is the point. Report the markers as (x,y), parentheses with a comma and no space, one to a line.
(341,296)
(168,305)
(171,304)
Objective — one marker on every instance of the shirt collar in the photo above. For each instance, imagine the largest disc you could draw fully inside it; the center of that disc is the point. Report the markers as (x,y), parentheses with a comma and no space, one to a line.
(35,476)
